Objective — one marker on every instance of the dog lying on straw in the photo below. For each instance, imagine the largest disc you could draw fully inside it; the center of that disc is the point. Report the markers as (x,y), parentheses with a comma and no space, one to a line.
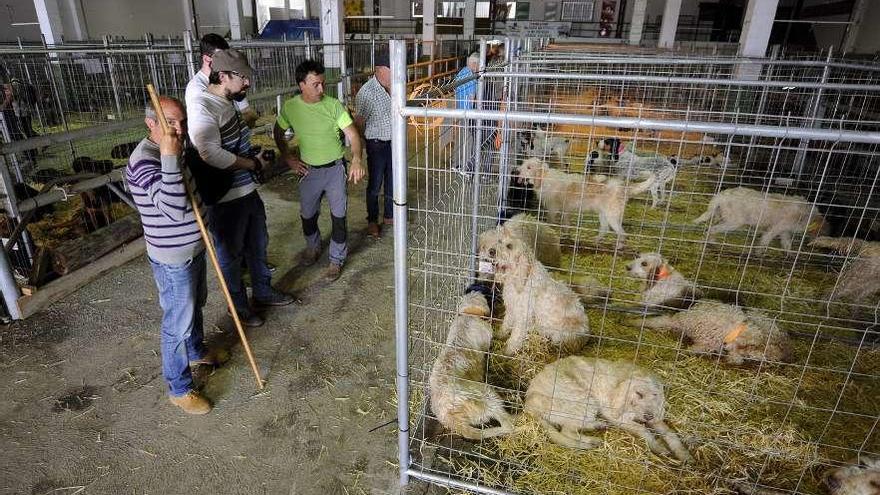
(776,215)
(663,284)
(858,478)
(630,165)
(715,327)
(578,394)
(859,279)
(560,193)
(534,301)
(460,397)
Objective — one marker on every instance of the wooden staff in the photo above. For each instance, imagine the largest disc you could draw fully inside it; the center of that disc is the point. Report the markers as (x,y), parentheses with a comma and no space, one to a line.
(209,246)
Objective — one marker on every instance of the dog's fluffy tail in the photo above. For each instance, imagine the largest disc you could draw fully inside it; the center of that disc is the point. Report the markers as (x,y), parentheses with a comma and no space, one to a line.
(654,322)
(713,206)
(842,245)
(642,186)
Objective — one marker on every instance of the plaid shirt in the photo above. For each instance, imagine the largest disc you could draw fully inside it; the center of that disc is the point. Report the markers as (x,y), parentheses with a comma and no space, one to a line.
(373,103)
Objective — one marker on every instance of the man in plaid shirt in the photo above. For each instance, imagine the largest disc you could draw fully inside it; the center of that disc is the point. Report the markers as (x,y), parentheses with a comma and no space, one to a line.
(373,120)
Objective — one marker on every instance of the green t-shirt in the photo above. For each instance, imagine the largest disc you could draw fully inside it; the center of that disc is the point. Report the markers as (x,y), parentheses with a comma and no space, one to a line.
(317,126)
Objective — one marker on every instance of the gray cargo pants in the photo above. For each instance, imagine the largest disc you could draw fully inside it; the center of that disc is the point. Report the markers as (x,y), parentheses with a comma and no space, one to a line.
(329,181)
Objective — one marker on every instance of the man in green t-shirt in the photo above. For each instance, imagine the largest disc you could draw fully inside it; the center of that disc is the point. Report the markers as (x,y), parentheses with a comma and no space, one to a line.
(320,121)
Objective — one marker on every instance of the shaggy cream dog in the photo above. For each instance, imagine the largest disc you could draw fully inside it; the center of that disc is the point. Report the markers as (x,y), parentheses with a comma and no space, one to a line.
(460,397)
(561,193)
(534,301)
(858,478)
(663,284)
(543,239)
(776,215)
(578,394)
(859,280)
(715,327)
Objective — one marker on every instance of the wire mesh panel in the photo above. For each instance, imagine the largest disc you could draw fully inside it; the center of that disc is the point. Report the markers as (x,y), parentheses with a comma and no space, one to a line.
(685,292)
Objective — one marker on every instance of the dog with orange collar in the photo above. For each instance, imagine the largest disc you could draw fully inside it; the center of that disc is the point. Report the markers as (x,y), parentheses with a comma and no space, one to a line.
(735,333)
(663,284)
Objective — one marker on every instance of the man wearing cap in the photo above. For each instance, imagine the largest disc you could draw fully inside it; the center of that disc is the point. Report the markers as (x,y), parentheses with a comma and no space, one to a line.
(208,46)
(238,217)
(373,120)
(320,121)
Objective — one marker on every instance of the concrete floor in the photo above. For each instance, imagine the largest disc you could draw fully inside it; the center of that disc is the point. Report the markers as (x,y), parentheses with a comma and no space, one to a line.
(85,410)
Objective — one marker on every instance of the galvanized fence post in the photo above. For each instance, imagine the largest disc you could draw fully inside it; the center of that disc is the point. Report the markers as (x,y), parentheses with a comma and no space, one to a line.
(401,316)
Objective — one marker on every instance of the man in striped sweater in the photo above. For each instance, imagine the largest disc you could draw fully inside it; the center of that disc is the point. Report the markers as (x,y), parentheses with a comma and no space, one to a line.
(238,219)
(175,250)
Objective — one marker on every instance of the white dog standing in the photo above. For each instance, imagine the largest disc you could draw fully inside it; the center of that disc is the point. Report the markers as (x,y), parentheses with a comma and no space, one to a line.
(631,165)
(776,215)
(560,193)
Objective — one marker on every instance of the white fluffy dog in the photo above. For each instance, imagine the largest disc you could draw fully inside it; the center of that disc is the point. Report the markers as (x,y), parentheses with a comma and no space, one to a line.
(560,193)
(578,394)
(715,327)
(859,279)
(460,397)
(858,478)
(776,215)
(534,301)
(663,284)
(542,238)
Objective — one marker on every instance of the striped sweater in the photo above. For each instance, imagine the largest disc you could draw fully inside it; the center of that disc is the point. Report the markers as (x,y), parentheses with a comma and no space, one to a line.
(219,134)
(156,185)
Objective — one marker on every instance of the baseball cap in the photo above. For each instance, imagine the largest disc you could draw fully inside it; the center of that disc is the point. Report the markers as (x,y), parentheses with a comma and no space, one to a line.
(231,60)
(381,60)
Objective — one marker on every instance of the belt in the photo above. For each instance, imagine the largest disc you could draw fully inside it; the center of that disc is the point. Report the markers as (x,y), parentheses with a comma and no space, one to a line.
(378,140)
(328,164)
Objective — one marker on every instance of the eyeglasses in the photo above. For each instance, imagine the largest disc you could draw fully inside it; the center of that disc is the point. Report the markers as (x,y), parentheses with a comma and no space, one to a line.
(240,75)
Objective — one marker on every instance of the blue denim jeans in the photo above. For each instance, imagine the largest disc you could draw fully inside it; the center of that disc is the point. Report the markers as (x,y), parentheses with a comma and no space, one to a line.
(182,294)
(238,228)
(379,165)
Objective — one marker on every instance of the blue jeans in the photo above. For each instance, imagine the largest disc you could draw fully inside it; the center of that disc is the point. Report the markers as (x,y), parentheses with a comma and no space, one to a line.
(238,228)
(379,165)
(182,294)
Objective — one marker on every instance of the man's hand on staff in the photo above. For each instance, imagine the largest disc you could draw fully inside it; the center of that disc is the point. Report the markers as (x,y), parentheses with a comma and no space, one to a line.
(297,165)
(171,144)
(356,170)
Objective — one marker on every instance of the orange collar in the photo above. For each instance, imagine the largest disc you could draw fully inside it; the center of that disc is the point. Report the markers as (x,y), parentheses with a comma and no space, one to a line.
(735,333)
(662,273)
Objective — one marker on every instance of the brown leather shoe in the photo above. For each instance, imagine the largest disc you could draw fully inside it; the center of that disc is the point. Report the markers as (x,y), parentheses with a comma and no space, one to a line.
(214,357)
(310,257)
(333,272)
(191,403)
(373,230)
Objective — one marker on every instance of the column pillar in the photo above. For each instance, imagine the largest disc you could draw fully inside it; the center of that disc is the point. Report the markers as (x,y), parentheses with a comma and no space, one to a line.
(233,7)
(331,33)
(470,11)
(429,27)
(189,22)
(756,28)
(669,24)
(49,17)
(637,23)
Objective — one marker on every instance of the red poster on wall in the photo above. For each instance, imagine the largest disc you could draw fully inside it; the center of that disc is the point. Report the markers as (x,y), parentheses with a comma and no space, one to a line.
(607,18)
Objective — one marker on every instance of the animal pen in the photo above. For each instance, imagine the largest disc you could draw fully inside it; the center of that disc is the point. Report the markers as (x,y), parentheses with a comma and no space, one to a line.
(66,205)
(805,128)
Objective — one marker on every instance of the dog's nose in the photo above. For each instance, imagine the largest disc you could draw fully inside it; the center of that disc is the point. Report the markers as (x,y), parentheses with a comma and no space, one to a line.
(629,268)
(832,482)
(594,155)
(492,252)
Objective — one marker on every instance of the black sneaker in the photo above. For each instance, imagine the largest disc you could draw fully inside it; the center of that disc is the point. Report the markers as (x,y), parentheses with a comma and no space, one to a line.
(248,319)
(276,298)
